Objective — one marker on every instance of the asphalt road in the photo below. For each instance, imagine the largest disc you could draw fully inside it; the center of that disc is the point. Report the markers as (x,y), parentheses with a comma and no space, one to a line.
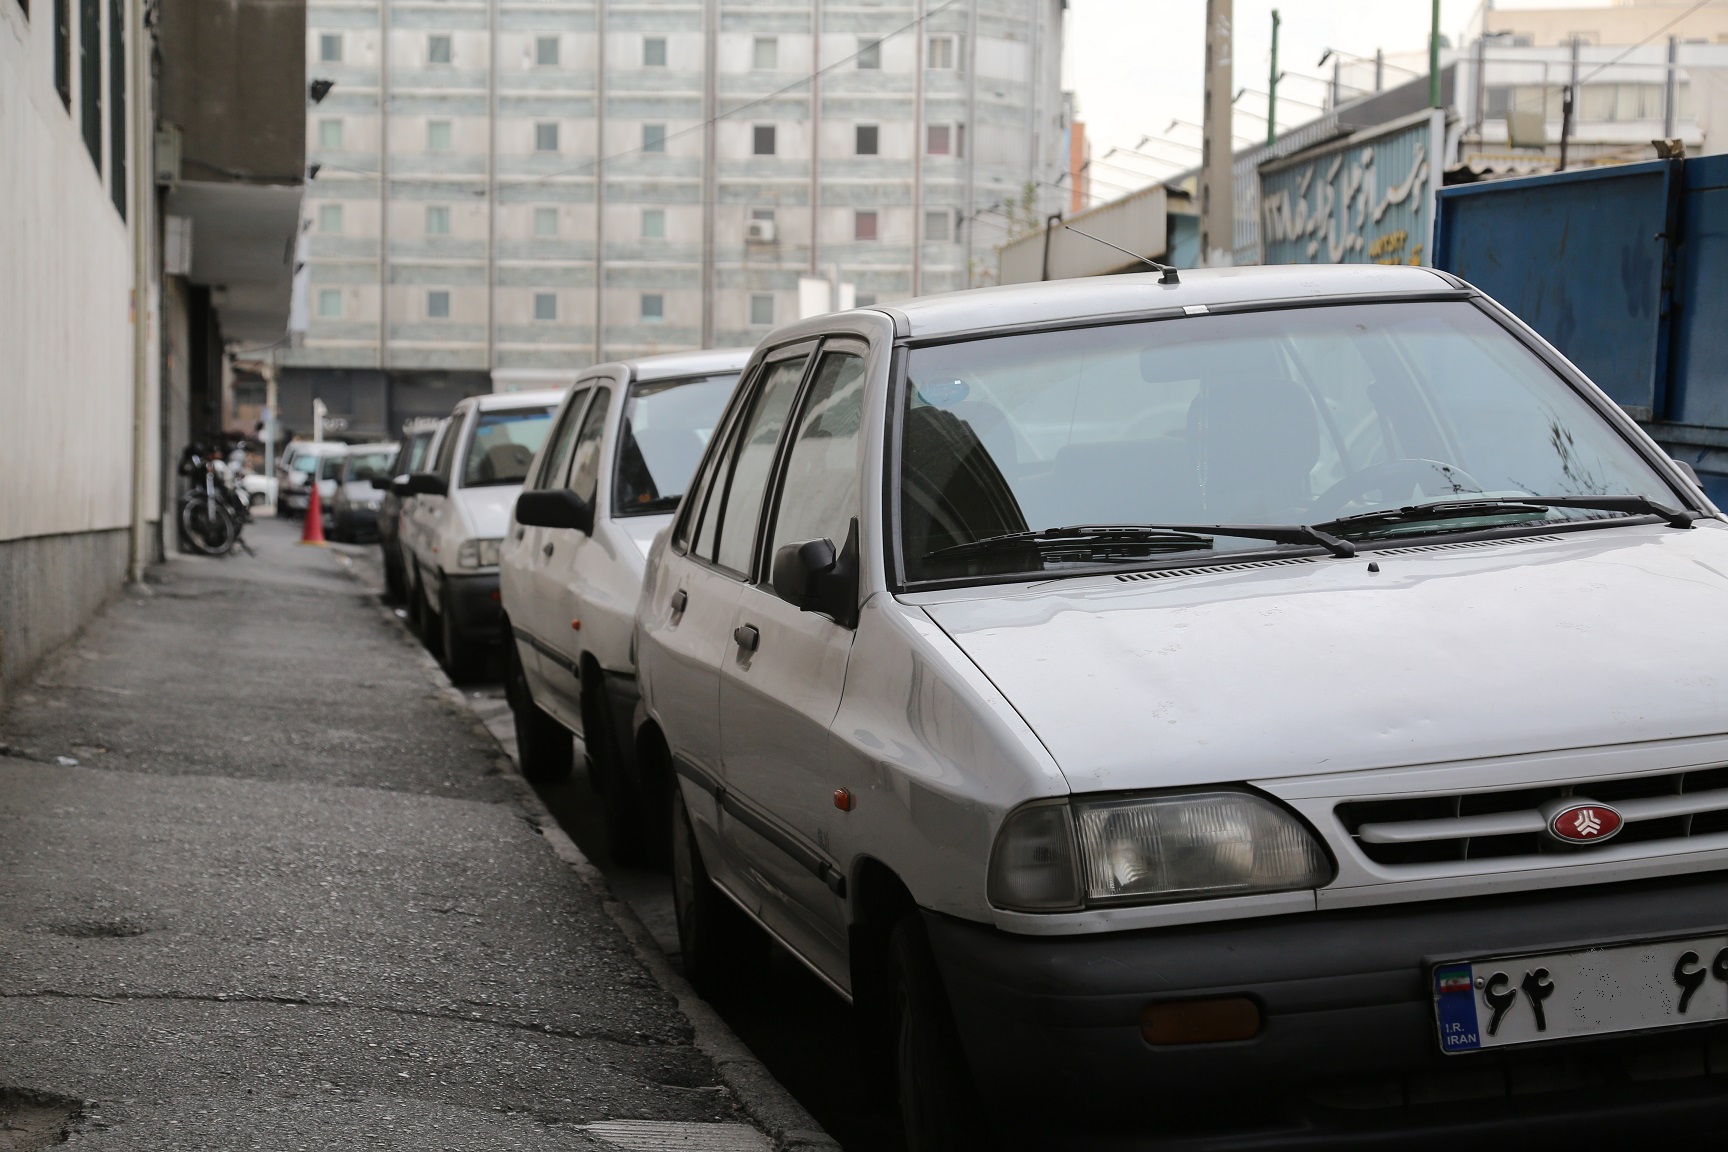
(265,883)
(798,1028)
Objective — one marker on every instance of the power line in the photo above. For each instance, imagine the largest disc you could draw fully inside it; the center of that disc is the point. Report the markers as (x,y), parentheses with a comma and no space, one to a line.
(1632,48)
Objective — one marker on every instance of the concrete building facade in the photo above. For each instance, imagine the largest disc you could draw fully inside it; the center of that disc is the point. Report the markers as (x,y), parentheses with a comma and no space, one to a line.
(561,182)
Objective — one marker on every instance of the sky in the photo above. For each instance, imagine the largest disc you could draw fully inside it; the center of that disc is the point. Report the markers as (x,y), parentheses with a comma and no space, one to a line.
(1136,65)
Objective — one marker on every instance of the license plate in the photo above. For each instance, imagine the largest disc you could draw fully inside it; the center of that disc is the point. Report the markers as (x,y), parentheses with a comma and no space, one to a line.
(1594,992)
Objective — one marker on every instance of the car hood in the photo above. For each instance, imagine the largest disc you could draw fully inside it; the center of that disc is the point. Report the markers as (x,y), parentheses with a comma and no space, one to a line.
(486,511)
(1449,652)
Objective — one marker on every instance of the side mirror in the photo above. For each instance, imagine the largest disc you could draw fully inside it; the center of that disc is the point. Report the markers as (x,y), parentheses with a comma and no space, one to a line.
(1691,472)
(399,485)
(555,508)
(816,578)
(426,484)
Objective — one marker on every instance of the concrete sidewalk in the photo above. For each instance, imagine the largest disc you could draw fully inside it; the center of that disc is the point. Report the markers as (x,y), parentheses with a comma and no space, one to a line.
(265,883)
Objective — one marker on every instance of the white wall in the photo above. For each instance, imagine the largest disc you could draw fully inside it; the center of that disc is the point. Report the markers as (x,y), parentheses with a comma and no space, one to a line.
(65,301)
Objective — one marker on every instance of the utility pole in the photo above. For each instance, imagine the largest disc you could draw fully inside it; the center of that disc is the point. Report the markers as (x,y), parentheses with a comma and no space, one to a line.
(1379,69)
(1217,227)
(1668,88)
(1568,100)
(1434,57)
(1272,87)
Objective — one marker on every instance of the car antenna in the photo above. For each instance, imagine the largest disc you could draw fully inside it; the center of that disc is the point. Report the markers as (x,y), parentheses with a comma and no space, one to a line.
(1169,277)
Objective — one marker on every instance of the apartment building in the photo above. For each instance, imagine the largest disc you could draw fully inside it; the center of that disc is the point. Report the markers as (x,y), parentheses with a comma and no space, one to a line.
(555,183)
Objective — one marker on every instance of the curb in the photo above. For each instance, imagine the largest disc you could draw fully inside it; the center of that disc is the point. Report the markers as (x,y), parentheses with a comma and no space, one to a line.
(762,1097)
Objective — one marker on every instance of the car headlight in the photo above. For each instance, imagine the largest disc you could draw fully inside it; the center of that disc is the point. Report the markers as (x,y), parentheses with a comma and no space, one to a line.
(478,553)
(1151,849)
(370,505)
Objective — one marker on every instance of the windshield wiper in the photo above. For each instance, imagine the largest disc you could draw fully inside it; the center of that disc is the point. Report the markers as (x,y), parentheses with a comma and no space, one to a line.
(1177,537)
(1517,505)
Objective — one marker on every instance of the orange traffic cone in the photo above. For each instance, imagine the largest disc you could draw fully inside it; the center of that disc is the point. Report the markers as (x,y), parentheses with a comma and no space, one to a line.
(313,533)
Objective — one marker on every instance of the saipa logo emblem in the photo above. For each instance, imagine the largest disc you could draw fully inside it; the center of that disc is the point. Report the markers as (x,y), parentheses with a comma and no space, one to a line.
(1583,822)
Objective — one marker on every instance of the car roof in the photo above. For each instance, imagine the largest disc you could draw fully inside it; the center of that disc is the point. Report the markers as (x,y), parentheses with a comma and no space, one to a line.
(493,401)
(709,361)
(1099,297)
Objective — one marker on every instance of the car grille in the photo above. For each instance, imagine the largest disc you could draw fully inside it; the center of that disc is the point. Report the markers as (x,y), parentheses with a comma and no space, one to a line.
(1497,825)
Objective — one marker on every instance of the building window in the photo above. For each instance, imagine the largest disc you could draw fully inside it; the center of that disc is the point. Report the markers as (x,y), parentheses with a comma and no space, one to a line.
(864,224)
(545,306)
(943,139)
(330,218)
(653,137)
(762,309)
(438,135)
(330,47)
(438,48)
(939,226)
(869,53)
(117,185)
(654,52)
(653,308)
(438,304)
(437,220)
(653,223)
(90,76)
(765,53)
(63,51)
(330,135)
(546,51)
(763,140)
(867,138)
(940,54)
(330,303)
(545,137)
(545,221)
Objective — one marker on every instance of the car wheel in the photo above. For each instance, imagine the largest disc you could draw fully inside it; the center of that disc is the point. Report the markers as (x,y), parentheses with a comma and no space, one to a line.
(461,657)
(545,749)
(938,1104)
(621,805)
(717,941)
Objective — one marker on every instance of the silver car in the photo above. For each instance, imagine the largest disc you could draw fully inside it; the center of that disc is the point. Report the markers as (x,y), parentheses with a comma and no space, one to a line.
(1284,703)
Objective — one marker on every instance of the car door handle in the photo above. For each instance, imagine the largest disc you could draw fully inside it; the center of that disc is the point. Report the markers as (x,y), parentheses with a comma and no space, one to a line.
(547,550)
(679,599)
(747,637)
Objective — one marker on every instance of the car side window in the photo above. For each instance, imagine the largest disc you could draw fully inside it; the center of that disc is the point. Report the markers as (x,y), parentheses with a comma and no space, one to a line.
(585,470)
(819,489)
(446,462)
(414,453)
(759,435)
(555,462)
(689,519)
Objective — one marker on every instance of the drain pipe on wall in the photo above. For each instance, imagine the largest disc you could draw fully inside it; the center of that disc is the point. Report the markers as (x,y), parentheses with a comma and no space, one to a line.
(143,223)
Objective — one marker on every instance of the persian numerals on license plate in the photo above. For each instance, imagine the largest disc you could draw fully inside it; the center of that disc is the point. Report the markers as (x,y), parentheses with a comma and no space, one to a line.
(1622,988)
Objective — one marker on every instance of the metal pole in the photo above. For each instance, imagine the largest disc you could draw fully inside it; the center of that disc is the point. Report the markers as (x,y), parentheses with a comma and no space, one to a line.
(710,178)
(1568,99)
(1669,89)
(922,41)
(491,186)
(143,225)
(1434,57)
(384,185)
(970,223)
(1217,228)
(816,140)
(1336,64)
(1272,87)
(599,181)
(1480,87)
(1379,69)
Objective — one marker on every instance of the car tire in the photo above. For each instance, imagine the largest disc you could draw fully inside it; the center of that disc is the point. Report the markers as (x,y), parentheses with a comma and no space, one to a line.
(627,839)
(463,660)
(718,943)
(545,749)
(938,1103)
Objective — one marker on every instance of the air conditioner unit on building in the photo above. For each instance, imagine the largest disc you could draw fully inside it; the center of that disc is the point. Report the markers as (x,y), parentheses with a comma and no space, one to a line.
(168,155)
(759,231)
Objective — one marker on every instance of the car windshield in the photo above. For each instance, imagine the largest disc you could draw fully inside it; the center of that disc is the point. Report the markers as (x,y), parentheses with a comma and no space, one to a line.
(667,424)
(503,445)
(330,467)
(369,465)
(1283,417)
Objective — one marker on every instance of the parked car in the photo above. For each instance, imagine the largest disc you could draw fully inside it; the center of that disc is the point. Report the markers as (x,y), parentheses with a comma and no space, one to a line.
(454,523)
(360,490)
(411,456)
(300,459)
(626,439)
(1285,703)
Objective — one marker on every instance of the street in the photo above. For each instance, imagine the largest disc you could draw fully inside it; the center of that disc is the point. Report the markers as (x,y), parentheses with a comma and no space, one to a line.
(270,881)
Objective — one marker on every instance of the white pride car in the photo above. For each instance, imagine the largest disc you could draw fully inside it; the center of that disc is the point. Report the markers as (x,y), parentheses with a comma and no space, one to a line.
(454,518)
(624,443)
(1286,704)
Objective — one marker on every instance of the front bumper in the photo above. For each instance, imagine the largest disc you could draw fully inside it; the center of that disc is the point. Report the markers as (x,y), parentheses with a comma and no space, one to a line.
(1347,1053)
(474,606)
